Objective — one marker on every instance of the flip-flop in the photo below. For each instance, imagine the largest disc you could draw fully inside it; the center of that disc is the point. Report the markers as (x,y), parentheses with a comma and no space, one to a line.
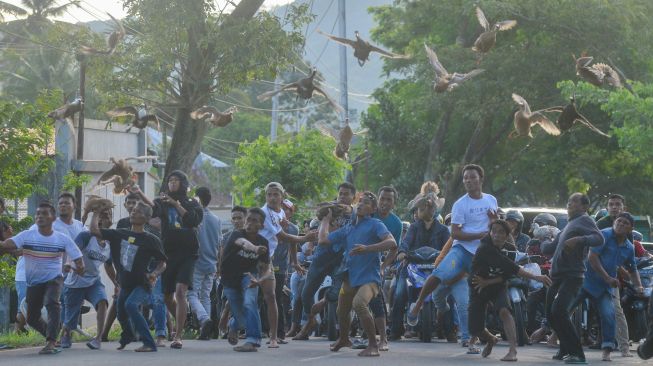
(509,359)
(473,350)
(488,347)
(145,349)
(273,346)
(232,337)
(49,351)
(176,344)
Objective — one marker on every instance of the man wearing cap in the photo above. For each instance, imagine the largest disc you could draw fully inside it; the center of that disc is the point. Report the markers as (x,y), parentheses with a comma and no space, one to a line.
(601,275)
(274,233)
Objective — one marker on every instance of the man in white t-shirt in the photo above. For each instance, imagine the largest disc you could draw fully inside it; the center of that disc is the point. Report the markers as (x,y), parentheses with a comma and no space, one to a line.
(273,232)
(471,217)
(43,250)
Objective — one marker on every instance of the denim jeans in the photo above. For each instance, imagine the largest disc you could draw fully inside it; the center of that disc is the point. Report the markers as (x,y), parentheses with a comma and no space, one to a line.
(244,310)
(199,297)
(131,318)
(159,310)
(322,266)
(460,293)
(605,306)
(399,302)
(559,301)
(296,286)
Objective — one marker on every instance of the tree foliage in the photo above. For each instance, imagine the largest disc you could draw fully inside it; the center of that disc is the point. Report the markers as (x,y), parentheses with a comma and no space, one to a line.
(416,134)
(304,164)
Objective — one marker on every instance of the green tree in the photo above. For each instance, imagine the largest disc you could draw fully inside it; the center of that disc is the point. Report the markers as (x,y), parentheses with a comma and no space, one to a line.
(416,134)
(182,52)
(26,145)
(304,165)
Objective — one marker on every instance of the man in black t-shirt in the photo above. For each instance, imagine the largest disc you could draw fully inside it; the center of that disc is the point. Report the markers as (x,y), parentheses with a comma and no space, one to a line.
(243,253)
(131,252)
(487,281)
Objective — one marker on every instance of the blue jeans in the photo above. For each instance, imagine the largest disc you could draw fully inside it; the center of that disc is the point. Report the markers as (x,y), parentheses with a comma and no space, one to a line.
(199,297)
(296,286)
(605,306)
(325,264)
(159,310)
(457,260)
(244,310)
(460,293)
(74,299)
(131,318)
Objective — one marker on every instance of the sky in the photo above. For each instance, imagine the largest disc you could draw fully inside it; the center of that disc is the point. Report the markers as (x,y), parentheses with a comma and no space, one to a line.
(94,9)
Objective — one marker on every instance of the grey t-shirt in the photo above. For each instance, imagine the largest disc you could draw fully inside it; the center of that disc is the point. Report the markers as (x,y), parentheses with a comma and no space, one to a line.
(94,256)
(280,257)
(571,264)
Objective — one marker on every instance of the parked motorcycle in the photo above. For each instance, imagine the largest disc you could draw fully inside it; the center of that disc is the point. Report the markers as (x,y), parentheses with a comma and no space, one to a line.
(420,266)
(634,304)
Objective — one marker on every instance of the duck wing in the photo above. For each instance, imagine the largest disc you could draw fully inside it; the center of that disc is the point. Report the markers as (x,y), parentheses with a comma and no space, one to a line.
(345,41)
(122,112)
(547,125)
(482,19)
(271,93)
(506,24)
(440,71)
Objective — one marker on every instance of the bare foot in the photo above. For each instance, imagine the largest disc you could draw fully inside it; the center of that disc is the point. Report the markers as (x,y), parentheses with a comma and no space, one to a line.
(369,352)
(339,344)
(488,347)
(511,356)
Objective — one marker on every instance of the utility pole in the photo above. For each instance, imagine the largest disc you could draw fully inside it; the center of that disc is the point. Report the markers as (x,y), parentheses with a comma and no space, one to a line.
(275,113)
(80,128)
(342,27)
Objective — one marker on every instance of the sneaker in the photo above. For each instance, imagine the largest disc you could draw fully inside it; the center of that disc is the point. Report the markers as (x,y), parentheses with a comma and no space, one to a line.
(359,344)
(205,330)
(94,344)
(65,341)
(411,320)
(559,356)
(575,360)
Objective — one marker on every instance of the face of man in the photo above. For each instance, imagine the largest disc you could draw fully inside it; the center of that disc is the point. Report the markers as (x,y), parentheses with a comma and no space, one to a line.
(472,181)
(386,202)
(615,207)
(498,235)
(130,204)
(622,226)
(44,217)
(273,198)
(7,233)
(513,224)
(287,211)
(345,196)
(365,207)
(66,207)
(253,223)
(574,205)
(238,220)
(105,221)
(174,184)
(425,213)
(137,216)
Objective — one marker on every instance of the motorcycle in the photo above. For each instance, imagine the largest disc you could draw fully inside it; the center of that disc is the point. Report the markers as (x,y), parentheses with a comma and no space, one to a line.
(634,304)
(420,266)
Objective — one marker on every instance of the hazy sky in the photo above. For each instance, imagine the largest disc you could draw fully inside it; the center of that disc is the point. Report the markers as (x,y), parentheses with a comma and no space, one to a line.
(94,9)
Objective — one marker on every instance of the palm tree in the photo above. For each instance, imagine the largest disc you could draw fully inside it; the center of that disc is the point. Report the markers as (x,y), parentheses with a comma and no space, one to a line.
(38,12)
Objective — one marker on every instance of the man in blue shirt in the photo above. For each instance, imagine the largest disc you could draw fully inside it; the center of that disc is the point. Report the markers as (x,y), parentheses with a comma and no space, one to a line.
(365,239)
(426,231)
(601,275)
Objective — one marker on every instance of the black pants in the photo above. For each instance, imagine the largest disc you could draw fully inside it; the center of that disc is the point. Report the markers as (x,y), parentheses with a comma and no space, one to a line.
(535,298)
(645,349)
(280,280)
(559,300)
(47,293)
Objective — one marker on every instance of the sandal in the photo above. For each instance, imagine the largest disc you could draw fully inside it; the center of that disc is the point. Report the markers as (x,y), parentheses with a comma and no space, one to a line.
(232,337)
(473,350)
(49,350)
(145,349)
(176,344)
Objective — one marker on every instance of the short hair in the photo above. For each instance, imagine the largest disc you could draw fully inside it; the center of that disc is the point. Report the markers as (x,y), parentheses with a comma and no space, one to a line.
(426,203)
(616,196)
(371,196)
(584,199)
(144,208)
(389,189)
(132,196)
(204,195)
(627,216)
(504,225)
(257,211)
(48,204)
(68,195)
(478,168)
(239,209)
(348,186)
(275,185)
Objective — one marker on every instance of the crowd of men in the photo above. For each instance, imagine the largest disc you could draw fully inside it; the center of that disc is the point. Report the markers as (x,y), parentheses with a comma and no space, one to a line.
(168,253)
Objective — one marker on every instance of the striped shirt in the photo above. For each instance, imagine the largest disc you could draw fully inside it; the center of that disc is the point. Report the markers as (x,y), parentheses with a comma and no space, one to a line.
(44,254)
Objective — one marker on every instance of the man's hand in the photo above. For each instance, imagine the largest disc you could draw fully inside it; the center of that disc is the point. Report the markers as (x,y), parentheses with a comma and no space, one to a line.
(253,282)
(544,279)
(480,283)
(284,223)
(79,269)
(299,269)
(136,189)
(67,268)
(116,290)
(311,236)
(358,249)
(492,215)
(151,278)
(482,235)
(260,250)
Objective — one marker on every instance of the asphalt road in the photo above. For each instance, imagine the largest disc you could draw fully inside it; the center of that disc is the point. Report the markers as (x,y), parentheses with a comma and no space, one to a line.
(314,353)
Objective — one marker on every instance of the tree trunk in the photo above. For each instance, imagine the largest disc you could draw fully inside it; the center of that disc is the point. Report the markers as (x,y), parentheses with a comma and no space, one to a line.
(437,144)
(188,134)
